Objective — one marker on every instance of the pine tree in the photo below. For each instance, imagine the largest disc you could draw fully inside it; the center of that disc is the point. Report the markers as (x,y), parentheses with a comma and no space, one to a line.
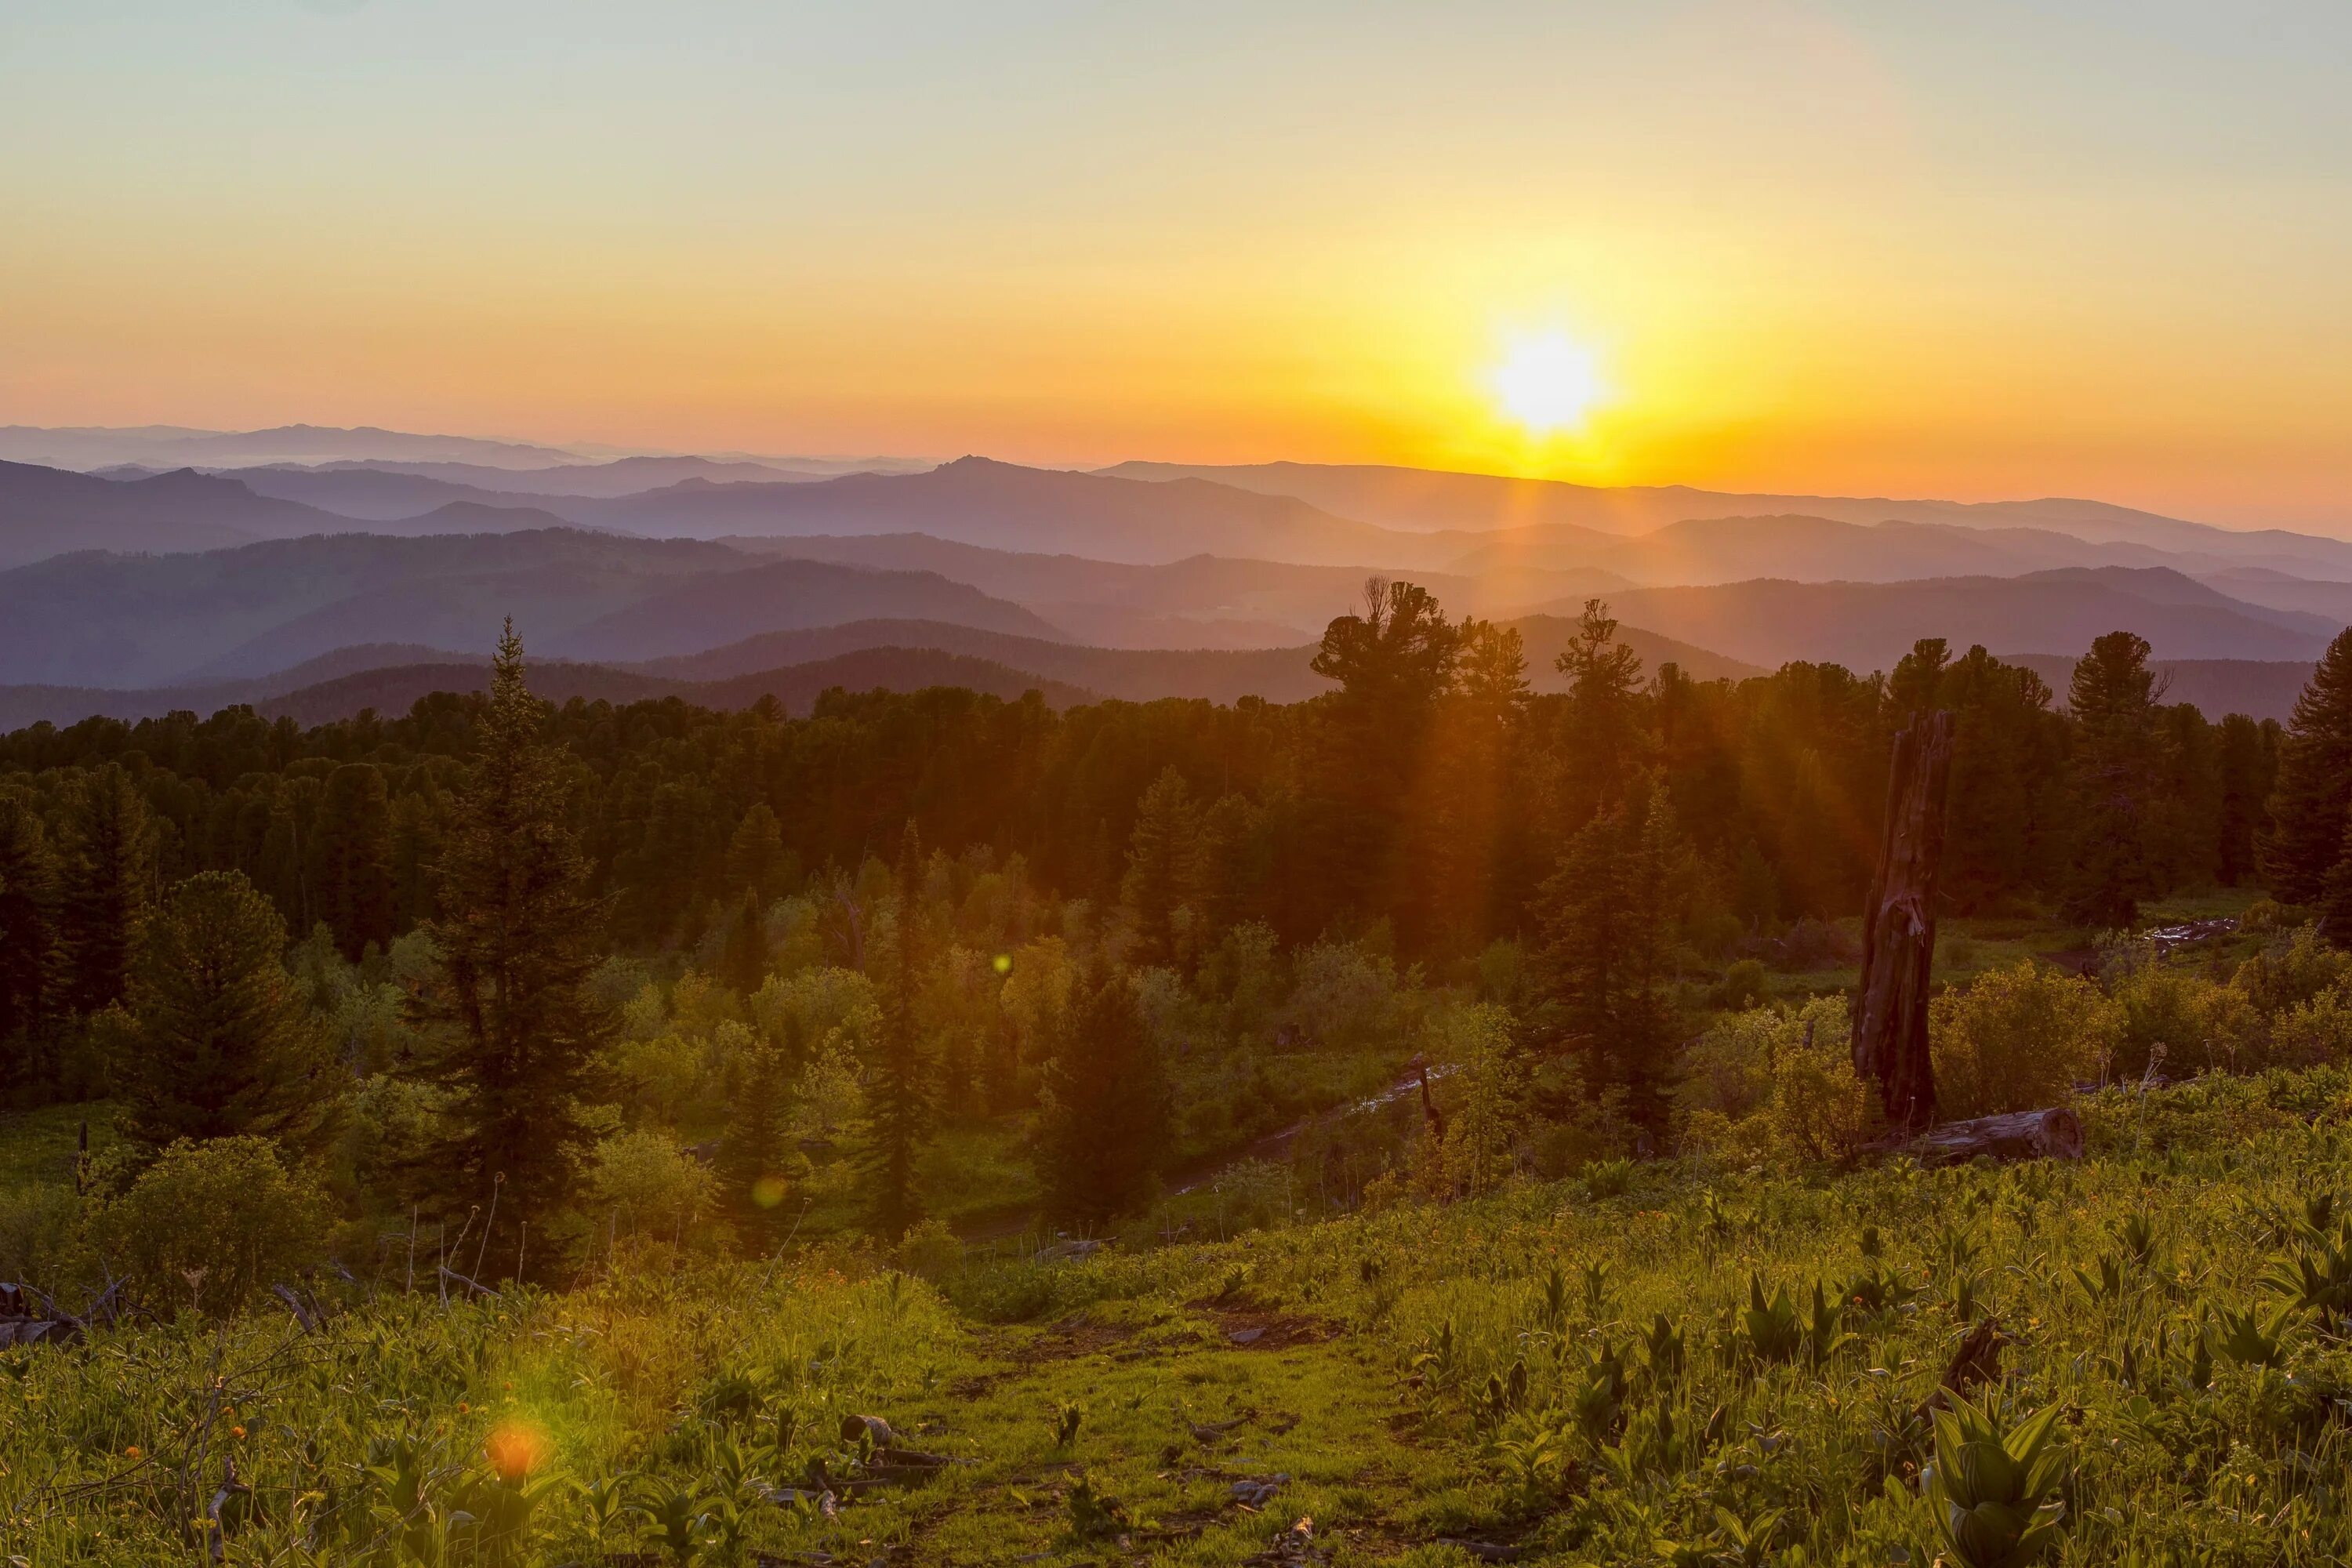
(519,937)
(1605,960)
(1105,1124)
(354,848)
(1604,711)
(223,1044)
(108,883)
(2314,795)
(28,948)
(751,1151)
(743,959)
(1160,853)
(2112,697)
(2248,765)
(899,1108)
(755,855)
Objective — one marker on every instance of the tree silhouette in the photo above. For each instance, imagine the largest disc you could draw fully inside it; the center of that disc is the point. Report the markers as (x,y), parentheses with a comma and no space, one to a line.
(2312,798)
(2113,697)
(519,935)
(109,878)
(223,1044)
(1108,1100)
(899,1108)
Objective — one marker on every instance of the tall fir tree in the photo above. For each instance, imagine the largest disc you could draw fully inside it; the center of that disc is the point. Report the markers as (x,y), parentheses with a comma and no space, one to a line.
(28,947)
(1606,957)
(2247,758)
(1108,1107)
(2309,807)
(743,956)
(751,1151)
(756,857)
(898,1115)
(352,847)
(2112,699)
(109,877)
(516,1022)
(221,1043)
(1604,742)
(1159,855)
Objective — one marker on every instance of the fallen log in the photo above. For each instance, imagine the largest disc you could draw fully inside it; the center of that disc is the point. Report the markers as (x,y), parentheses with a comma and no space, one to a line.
(2055,1133)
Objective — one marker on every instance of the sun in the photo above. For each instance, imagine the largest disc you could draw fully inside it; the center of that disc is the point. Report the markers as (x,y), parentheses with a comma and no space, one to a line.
(1547,381)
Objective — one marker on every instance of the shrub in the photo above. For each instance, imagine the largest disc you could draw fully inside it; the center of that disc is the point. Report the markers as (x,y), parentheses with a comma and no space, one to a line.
(2290,972)
(930,1251)
(2020,1037)
(1821,1110)
(1744,987)
(211,1226)
(2313,1032)
(645,1182)
(1775,1083)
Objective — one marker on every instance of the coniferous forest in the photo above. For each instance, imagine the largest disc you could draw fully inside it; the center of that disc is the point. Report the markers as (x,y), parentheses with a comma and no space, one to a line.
(1435,1033)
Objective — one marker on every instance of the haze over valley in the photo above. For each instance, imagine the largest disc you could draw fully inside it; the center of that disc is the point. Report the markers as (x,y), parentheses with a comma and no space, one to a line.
(129,588)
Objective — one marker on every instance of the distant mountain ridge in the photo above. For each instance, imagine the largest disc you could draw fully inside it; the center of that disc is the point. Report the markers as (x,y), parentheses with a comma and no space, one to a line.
(131,620)
(1432,499)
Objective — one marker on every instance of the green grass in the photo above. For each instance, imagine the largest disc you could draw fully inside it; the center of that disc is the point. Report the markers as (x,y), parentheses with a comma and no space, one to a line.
(1419,1375)
(40,1145)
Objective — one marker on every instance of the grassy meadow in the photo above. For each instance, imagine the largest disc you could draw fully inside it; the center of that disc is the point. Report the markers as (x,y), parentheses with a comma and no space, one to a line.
(1675,1362)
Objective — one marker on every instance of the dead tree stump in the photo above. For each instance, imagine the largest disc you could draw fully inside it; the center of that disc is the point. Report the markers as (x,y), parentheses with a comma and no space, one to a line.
(1898,935)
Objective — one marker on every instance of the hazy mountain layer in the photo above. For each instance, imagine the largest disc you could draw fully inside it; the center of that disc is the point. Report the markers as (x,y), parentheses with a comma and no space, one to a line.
(1869,626)
(174,446)
(119,620)
(1424,498)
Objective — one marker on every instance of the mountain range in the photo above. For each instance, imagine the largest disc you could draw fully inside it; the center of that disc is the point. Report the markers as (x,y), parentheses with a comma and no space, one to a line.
(227,579)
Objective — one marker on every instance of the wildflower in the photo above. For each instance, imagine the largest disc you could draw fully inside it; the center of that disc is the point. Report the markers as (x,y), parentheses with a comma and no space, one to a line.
(132,1452)
(236,1432)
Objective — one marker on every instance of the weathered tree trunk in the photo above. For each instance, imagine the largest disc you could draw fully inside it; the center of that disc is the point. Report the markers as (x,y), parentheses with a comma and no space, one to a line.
(2055,1133)
(1899,936)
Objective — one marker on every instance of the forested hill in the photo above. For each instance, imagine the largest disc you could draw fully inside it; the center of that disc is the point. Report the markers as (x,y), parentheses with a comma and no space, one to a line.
(1436,806)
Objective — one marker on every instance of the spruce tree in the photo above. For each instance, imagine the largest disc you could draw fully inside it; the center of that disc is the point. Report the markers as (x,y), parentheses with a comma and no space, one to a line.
(2113,697)
(755,855)
(1107,1118)
(743,957)
(2247,766)
(899,1104)
(1159,854)
(752,1149)
(2313,797)
(221,1043)
(354,848)
(1604,711)
(1604,963)
(108,882)
(517,1025)
(28,948)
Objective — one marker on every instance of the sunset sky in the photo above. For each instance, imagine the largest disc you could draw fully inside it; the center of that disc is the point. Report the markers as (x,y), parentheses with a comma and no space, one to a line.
(1996,249)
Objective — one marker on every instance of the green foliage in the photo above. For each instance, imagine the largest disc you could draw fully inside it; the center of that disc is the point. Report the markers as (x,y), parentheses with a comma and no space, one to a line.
(1105,1129)
(211,1226)
(2018,1038)
(515,1020)
(222,1045)
(1994,1486)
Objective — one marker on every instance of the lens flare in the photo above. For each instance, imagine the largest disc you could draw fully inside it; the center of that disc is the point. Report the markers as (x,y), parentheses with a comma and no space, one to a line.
(515,1449)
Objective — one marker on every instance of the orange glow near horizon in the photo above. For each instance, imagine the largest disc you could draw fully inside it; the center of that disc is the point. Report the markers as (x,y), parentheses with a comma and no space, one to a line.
(797,231)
